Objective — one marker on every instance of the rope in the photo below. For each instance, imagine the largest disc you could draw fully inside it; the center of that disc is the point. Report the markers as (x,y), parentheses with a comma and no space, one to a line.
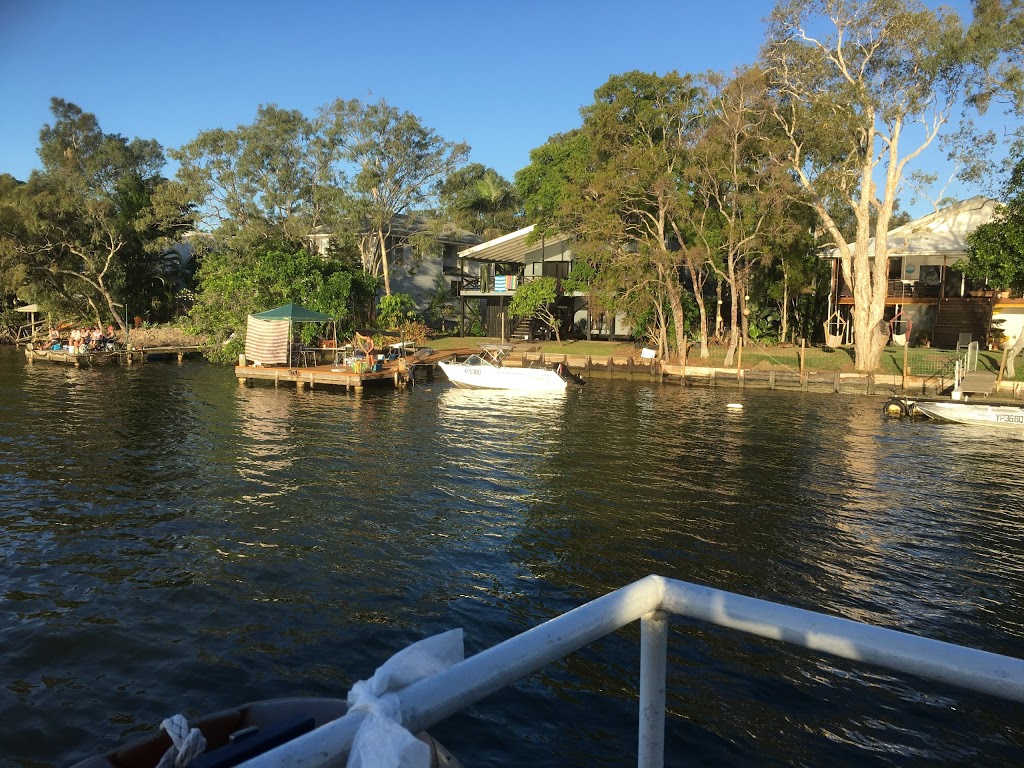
(186,744)
(769,356)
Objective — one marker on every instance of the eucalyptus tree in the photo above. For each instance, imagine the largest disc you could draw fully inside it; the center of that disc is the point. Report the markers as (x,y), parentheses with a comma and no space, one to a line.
(863,88)
(275,179)
(84,234)
(395,165)
(617,184)
(739,190)
(995,39)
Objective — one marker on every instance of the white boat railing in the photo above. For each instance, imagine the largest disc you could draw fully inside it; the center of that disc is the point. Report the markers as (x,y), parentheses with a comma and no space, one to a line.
(650,601)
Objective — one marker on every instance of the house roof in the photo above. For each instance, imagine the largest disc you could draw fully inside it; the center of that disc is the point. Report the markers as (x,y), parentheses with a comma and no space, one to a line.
(511,248)
(943,233)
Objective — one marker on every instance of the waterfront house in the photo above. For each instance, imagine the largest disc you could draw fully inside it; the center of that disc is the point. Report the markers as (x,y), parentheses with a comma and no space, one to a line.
(944,305)
(490,272)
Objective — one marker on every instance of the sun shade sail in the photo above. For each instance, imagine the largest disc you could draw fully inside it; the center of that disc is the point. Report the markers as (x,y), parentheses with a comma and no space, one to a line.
(294,313)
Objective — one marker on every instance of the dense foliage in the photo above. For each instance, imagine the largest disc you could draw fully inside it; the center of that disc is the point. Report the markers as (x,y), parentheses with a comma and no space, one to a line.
(996,249)
(235,284)
(88,234)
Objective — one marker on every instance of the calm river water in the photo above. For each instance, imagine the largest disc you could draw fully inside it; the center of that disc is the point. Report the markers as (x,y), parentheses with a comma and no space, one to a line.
(172,542)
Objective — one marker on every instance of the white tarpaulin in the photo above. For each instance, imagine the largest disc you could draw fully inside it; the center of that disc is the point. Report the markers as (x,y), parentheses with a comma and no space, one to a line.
(266,341)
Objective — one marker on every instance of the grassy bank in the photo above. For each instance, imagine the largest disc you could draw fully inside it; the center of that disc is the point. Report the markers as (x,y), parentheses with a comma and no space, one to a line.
(920,362)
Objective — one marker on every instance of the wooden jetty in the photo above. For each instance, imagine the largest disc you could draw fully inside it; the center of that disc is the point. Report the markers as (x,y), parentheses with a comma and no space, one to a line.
(395,372)
(122,356)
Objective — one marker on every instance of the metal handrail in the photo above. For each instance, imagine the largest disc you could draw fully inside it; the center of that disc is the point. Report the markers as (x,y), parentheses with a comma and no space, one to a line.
(650,600)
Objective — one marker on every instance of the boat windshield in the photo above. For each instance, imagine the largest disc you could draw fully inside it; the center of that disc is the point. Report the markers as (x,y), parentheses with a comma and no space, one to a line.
(495,353)
(475,360)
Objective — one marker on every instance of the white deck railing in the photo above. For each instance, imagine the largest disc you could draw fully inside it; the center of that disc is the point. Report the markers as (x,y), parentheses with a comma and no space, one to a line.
(649,601)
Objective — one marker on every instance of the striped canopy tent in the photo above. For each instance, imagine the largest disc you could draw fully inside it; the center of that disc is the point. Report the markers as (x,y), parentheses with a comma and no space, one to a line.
(268,334)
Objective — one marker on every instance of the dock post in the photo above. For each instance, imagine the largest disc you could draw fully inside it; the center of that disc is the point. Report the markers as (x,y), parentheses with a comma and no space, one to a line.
(771,379)
(871,382)
(181,357)
(277,377)
(835,382)
(629,367)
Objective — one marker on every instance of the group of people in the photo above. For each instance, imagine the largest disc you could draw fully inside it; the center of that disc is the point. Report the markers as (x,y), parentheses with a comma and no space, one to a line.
(83,340)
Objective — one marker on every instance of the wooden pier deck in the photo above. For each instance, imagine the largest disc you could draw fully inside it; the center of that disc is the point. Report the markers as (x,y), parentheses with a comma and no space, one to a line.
(122,356)
(328,375)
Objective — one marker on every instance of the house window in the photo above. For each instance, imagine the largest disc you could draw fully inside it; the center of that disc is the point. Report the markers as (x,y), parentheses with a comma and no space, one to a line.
(556,269)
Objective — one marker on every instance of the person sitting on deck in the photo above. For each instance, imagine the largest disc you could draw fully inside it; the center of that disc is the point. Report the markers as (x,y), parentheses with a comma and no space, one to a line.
(96,338)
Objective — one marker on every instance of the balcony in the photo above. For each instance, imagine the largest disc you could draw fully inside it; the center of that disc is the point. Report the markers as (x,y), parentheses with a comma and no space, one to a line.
(491,285)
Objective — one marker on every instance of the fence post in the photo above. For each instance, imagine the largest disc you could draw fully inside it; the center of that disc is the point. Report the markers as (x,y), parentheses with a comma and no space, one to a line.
(906,354)
(653,655)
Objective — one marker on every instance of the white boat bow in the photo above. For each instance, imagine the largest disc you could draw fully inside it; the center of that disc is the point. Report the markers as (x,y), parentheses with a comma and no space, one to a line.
(477,373)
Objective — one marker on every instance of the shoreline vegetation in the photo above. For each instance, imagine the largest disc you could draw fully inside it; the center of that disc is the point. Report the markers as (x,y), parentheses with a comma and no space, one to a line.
(922,361)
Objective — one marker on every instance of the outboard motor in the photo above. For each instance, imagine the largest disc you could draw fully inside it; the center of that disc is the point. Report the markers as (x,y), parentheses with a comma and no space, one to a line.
(573,378)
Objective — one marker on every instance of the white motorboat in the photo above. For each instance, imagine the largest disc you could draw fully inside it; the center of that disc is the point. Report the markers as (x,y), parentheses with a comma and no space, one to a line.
(971,413)
(476,372)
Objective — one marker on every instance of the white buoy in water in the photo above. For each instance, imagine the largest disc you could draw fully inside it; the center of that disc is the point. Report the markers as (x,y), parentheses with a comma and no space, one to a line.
(735,406)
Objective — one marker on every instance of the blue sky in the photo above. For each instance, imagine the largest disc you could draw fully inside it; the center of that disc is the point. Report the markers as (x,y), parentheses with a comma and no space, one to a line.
(501,76)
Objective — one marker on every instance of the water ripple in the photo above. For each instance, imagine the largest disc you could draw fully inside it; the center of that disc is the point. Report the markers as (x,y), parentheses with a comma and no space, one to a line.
(173,542)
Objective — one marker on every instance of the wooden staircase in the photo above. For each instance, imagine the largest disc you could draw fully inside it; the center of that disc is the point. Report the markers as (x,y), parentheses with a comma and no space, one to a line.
(971,315)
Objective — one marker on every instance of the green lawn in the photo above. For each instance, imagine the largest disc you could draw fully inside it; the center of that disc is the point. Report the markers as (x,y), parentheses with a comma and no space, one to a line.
(922,362)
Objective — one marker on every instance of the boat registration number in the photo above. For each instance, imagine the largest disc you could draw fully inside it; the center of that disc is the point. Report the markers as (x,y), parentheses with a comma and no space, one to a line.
(1002,417)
